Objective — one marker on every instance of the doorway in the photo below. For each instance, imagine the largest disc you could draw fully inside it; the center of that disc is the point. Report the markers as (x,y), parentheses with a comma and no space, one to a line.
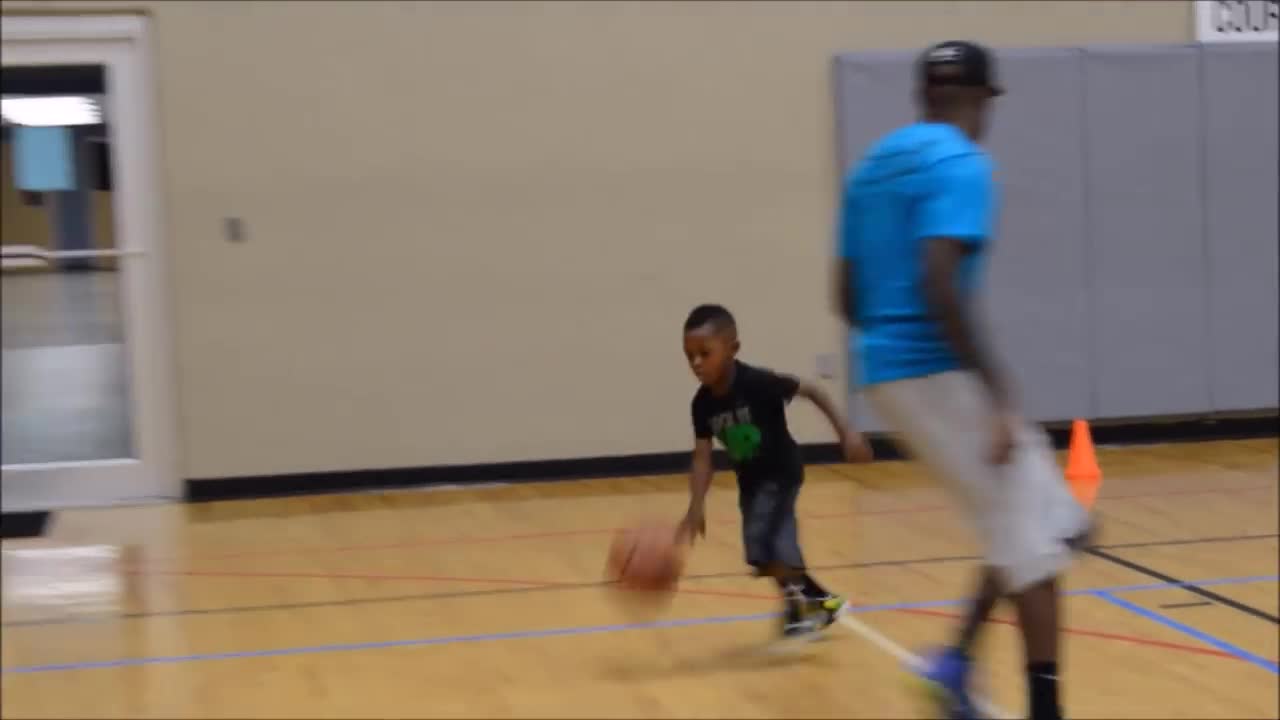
(88,397)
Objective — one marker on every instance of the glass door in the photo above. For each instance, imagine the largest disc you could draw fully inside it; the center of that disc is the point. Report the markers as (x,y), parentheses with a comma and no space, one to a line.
(87,382)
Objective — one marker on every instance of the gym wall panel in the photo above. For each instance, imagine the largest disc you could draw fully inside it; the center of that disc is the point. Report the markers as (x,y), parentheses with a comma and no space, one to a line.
(1145,230)
(873,97)
(1037,301)
(1240,150)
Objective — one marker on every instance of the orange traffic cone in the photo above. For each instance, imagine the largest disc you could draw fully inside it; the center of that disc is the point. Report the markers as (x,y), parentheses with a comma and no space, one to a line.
(1083,474)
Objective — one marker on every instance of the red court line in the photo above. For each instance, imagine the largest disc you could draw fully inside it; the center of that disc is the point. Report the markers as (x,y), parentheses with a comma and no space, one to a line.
(1094,634)
(552,534)
(1118,637)
(407,545)
(289,575)
(1130,496)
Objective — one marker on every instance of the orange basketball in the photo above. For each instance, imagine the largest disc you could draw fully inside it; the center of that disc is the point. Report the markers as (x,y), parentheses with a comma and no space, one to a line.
(645,559)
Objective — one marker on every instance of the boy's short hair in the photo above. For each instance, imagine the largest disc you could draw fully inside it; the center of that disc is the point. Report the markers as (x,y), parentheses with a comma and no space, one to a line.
(717,316)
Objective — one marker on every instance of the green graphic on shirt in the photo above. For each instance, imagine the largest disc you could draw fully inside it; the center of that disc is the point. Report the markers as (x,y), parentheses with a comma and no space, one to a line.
(741,441)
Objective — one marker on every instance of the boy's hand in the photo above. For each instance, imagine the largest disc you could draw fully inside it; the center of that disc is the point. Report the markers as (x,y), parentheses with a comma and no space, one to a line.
(856,448)
(694,523)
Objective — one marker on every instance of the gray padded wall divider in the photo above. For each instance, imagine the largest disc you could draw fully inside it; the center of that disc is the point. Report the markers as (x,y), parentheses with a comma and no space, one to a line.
(873,96)
(1240,121)
(1037,304)
(1135,270)
(1145,227)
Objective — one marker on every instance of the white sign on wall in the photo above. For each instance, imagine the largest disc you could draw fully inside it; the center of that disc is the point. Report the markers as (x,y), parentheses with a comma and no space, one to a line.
(1237,21)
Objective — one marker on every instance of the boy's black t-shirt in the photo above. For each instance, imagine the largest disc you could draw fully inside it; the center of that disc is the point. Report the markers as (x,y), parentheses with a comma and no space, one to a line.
(750,421)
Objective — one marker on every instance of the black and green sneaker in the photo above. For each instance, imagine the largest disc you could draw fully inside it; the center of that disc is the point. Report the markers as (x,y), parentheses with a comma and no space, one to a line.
(826,611)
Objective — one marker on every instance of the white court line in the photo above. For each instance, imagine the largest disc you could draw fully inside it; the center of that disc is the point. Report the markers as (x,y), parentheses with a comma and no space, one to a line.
(904,655)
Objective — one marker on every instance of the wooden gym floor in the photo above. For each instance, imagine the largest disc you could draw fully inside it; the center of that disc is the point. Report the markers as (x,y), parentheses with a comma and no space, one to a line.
(480,602)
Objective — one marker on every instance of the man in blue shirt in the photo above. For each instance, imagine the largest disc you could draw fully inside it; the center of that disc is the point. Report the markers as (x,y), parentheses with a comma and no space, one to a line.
(917,217)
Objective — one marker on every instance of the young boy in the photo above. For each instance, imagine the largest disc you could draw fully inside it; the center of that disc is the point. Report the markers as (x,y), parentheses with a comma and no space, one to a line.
(744,407)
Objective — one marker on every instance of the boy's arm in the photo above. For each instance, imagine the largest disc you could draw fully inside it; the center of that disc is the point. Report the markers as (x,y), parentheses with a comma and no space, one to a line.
(700,474)
(855,446)
(695,522)
(819,397)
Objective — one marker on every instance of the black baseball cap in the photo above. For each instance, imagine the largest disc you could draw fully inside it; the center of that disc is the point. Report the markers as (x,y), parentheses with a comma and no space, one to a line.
(958,64)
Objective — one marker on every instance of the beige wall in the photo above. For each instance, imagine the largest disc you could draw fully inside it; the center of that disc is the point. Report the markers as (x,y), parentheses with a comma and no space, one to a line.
(475,228)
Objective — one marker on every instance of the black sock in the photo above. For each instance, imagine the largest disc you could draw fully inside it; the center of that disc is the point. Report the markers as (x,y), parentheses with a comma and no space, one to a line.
(814,590)
(1042,684)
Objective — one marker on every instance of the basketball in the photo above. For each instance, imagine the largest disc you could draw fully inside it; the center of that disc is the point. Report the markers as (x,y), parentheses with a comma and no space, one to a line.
(644,567)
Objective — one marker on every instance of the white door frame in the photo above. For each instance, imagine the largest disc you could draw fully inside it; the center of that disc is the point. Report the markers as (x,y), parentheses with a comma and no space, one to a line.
(120,43)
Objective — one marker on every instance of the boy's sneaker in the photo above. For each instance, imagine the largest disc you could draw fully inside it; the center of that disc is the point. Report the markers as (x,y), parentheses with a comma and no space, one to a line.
(799,630)
(946,678)
(808,618)
(797,624)
(827,610)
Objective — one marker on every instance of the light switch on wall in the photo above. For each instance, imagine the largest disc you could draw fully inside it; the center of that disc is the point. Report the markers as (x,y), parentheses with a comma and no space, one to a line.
(233,228)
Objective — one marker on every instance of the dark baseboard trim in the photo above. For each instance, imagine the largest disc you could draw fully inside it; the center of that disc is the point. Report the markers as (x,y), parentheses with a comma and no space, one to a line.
(241,488)
(24,524)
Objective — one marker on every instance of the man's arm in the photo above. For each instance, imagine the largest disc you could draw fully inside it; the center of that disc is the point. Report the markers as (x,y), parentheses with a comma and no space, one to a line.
(955,218)
(846,301)
(942,259)
(844,297)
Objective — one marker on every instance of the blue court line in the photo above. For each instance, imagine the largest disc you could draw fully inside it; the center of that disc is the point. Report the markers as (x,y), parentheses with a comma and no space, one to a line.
(561,632)
(1188,630)
(1245,580)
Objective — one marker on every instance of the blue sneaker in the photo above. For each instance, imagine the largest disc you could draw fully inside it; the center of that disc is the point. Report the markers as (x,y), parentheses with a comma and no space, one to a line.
(946,678)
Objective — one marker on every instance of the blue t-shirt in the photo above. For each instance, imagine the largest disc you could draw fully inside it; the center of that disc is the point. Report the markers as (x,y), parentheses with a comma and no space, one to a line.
(922,181)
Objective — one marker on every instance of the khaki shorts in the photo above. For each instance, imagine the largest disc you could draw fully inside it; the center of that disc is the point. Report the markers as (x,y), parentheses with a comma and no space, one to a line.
(1023,511)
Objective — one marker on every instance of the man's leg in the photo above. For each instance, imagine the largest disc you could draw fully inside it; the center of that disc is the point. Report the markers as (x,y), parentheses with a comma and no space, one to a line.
(950,668)
(1024,512)
(1038,620)
(985,596)
(1043,529)
(937,419)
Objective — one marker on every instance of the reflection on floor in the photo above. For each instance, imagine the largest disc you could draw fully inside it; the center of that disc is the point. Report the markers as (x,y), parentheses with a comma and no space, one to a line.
(66,391)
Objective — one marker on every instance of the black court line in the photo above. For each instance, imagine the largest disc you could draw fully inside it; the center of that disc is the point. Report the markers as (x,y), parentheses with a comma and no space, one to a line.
(1206,594)
(462,594)
(1198,603)
(1193,541)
